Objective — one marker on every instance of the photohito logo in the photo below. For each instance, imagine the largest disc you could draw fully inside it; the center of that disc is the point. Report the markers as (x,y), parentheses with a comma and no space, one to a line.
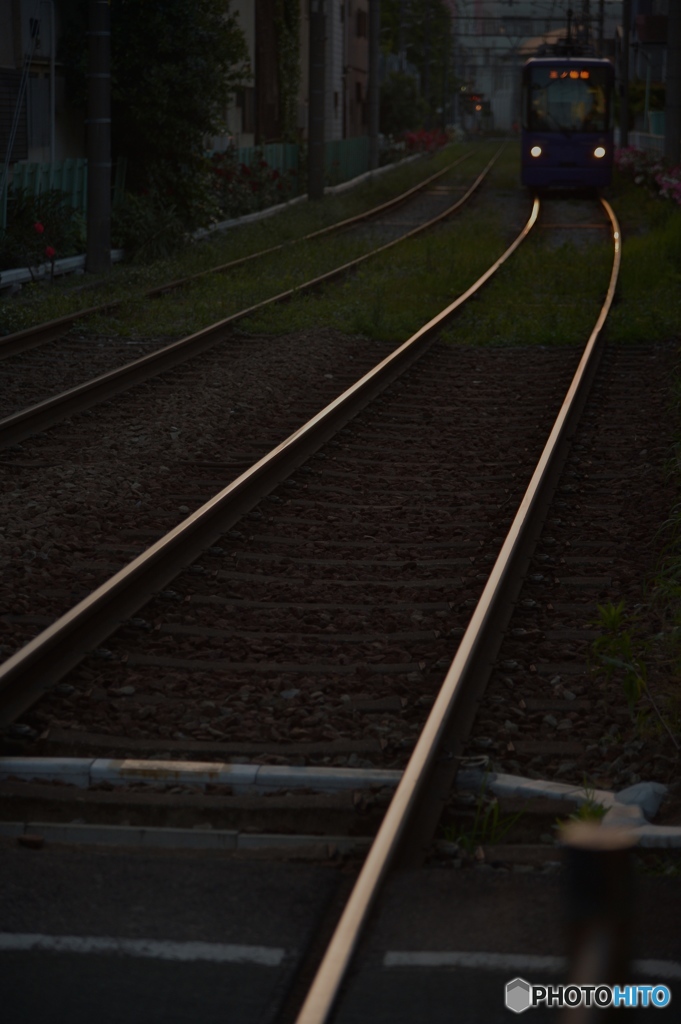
(521,995)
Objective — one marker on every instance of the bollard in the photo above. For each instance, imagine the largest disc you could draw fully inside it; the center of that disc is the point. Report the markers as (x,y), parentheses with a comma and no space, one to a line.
(599,910)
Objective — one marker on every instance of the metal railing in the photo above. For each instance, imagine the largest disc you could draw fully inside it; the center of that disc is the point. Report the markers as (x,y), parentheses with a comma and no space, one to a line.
(343,159)
(67,176)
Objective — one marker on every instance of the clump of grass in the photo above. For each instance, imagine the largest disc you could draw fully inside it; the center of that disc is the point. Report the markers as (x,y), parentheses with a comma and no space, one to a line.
(649,306)
(489,826)
(589,809)
(618,652)
(621,652)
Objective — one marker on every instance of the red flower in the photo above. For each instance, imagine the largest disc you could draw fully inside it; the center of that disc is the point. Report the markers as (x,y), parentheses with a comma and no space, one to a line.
(39,227)
(50,252)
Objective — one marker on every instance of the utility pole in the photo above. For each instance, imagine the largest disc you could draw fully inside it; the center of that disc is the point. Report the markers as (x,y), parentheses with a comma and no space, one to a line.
(601,15)
(315,130)
(374,86)
(98,258)
(672,130)
(586,24)
(425,80)
(624,73)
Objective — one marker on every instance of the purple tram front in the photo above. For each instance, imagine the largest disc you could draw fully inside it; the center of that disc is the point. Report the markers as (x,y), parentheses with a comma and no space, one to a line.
(567,115)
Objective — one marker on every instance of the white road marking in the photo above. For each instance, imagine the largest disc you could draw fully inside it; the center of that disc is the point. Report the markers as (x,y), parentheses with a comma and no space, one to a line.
(514,962)
(157,949)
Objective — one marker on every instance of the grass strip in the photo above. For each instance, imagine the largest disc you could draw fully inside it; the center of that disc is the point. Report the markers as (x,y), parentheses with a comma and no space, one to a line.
(45,301)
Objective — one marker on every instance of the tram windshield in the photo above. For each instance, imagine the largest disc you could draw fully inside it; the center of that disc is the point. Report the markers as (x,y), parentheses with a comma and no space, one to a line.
(565,99)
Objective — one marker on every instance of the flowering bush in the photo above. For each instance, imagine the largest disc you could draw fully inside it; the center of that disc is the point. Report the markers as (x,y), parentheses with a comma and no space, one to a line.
(651,170)
(424,141)
(243,188)
(39,228)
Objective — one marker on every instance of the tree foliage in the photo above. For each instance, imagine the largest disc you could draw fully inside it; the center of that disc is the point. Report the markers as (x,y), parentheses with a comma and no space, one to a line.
(402,106)
(173,65)
(422,31)
(287,27)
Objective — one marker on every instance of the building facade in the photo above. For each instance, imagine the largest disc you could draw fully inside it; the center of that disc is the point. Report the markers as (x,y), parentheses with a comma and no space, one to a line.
(494,38)
(35,120)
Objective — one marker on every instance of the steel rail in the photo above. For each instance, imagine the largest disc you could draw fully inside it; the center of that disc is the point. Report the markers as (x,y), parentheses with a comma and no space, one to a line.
(40,664)
(431,771)
(348,222)
(31,337)
(37,417)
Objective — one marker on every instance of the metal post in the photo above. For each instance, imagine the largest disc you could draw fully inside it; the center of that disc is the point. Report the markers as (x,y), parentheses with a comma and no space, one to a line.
(425,79)
(53,48)
(624,73)
(315,167)
(374,87)
(98,258)
(599,903)
(672,131)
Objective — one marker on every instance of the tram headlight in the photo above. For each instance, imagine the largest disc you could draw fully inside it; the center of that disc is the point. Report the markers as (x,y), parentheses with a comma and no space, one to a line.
(599,152)
(535,151)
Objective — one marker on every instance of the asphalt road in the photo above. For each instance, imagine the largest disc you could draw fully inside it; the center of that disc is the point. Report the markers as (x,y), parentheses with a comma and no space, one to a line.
(113,935)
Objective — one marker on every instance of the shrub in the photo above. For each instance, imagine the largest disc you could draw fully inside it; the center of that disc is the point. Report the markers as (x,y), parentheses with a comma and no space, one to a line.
(147,227)
(402,106)
(242,188)
(40,229)
(425,141)
(652,171)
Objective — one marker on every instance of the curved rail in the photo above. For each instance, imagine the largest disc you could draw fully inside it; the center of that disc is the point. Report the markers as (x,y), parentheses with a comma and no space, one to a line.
(37,417)
(412,815)
(41,663)
(31,337)
(348,222)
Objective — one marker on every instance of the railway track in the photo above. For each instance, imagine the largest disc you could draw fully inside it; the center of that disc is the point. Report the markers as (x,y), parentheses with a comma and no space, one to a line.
(26,421)
(324,608)
(230,504)
(423,201)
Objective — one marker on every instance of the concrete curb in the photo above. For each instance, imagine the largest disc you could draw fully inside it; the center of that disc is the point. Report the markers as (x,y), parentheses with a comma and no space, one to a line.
(178,838)
(243,778)
(249,218)
(625,809)
(629,808)
(70,264)
(66,266)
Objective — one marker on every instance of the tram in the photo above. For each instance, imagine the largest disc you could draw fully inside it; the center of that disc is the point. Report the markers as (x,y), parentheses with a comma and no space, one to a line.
(567,118)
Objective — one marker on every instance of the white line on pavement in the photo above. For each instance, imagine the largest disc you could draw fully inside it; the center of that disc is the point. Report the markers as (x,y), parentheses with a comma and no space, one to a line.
(157,949)
(514,962)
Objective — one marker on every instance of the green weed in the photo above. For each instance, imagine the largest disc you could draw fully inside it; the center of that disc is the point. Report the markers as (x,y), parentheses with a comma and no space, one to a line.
(489,826)
(618,652)
(589,809)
